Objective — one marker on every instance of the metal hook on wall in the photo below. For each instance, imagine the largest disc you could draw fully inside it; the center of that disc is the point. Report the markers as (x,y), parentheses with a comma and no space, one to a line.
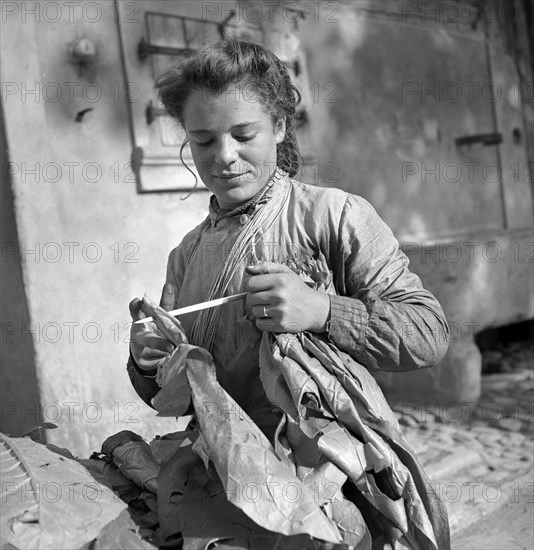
(82,52)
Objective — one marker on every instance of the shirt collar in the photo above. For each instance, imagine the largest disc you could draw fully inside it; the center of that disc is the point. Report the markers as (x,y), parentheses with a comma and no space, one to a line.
(216,213)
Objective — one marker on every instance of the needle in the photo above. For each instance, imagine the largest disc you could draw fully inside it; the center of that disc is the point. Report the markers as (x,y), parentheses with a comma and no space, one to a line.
(197,307)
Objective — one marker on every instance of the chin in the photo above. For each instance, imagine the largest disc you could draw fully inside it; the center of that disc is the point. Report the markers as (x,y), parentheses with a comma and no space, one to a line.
(238,195)
(235,197)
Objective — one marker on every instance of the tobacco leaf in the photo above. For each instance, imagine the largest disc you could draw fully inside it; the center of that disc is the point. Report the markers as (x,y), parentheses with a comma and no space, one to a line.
(380,462)
(168,325)
(399,468)
(172,481)
(351,524)
(134,458)
(349,454)
(64,452)
(49,501)
(210,521)
(36,432)
(243,457)
(121,534)
(165,447)
(174,397)
(109,475)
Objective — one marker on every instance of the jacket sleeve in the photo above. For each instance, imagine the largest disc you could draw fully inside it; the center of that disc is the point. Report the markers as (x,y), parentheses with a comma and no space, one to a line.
(382,317)
(145,386)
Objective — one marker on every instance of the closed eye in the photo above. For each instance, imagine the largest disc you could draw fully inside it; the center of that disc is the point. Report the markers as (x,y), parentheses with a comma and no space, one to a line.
(237,138)
(245,138)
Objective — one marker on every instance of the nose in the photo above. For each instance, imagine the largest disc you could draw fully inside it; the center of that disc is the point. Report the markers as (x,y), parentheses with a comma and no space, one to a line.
(226,152)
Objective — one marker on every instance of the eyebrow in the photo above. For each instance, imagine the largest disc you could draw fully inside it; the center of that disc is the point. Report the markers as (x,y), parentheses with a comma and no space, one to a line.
(240,126)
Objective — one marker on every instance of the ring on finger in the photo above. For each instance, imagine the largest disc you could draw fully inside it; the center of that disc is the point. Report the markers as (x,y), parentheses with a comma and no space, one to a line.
(265,314)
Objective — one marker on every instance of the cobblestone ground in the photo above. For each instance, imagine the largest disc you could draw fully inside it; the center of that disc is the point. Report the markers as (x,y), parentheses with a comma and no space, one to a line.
(480,456)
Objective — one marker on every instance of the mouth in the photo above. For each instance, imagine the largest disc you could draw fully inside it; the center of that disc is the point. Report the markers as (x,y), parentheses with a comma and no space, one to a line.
(229,175)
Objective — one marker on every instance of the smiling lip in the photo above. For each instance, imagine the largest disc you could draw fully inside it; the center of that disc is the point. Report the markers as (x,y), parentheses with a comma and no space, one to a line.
(229,175)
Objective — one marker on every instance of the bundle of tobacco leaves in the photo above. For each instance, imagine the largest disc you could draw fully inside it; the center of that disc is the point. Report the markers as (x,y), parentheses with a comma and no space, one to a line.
(338,447)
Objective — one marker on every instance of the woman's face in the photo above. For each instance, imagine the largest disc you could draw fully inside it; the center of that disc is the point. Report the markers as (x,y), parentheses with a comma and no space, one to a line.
(233,141)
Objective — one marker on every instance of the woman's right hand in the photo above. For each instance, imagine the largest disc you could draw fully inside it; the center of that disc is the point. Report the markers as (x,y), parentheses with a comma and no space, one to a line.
(147,345)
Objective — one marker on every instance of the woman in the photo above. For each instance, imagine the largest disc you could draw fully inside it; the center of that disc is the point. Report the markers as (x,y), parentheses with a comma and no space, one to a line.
(278,385)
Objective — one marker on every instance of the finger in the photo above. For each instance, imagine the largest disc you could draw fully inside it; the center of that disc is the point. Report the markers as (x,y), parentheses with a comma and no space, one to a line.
(263,283)
(147,307)
(135,309)
(267,267)
(151,354)
(148,363)
(167,297)
(156,344)
(262,312)
(258,299)
(138,310)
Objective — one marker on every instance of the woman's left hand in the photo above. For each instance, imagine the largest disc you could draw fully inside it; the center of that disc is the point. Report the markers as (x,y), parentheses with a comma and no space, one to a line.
(282,302)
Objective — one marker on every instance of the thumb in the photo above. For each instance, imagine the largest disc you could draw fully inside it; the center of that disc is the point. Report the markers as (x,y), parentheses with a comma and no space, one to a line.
(167,297)
(135,309)
(267,267)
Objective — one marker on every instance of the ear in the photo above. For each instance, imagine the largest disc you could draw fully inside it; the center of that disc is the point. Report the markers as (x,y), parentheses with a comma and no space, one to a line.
(280,130)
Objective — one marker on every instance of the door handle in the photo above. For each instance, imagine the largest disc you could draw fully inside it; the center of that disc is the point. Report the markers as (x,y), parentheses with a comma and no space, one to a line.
(485,139)
(151,112)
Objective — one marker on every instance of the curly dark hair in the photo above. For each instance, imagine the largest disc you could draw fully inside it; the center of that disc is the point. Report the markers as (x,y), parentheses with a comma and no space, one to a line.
(216,67)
